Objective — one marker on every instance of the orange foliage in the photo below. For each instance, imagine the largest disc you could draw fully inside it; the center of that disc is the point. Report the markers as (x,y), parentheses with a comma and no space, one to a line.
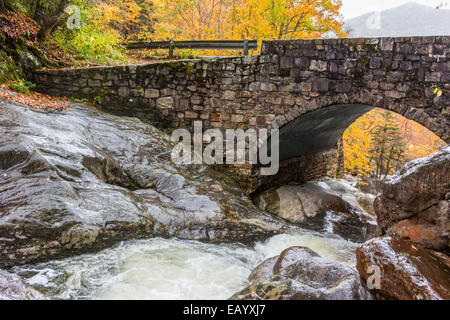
(358,143)
(255,19)
(420,141)
(129,19)
(17,25)
(34,100)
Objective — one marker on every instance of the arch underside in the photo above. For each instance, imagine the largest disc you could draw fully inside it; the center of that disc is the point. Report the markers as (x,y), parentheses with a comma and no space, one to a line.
(318,130)
(309,146)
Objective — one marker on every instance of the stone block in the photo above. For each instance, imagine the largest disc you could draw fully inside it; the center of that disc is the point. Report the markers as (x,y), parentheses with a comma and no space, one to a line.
(286,62)
(191,115)
(237,118)
(151,93)
(216,117)
(318,65)
(229,95)
(321,85)
(123,91)
(433,77)
(164,103)
(343,86)
(267,86)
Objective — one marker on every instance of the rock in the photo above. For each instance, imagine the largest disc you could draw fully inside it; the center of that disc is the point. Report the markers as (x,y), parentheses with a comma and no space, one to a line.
(299,273)
(407,271)
(414,203)
(295,203)
(29,62)
(312,206)
(13,287)
(366,201)
(80,180)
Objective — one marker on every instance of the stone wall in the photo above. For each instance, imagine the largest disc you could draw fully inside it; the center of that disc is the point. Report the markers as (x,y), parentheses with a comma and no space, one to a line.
(398,74)
(306,168)
(287,80)
(179,92)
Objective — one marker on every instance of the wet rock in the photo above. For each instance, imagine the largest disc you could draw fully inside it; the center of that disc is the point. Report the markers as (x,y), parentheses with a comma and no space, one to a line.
(12,154)
(414,204)
(407,271)
(295,203)
(318,208)
(299,273)
(80,180)
(13,287)
(366,201)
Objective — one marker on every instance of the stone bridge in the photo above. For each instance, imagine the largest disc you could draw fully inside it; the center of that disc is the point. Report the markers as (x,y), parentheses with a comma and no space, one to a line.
(311,89)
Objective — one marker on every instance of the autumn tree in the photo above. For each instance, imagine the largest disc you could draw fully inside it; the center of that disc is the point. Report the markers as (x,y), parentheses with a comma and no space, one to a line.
(286,19)
(52,18)
(420,141)
(378,136)
(357,145)
(191,19)
(47,13)
(259,19)
(388,147)
(131,19)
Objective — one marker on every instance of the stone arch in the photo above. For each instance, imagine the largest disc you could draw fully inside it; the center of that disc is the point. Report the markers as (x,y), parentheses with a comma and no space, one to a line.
(317,131)
(309,138)
(347,108)
(432,120)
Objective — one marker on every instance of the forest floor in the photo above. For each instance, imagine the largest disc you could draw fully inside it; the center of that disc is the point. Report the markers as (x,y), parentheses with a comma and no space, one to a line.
(34,100)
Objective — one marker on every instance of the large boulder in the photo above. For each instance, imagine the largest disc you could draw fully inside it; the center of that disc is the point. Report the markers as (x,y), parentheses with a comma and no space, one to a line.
(314,205)
(80,180)
(414,204)
(13,287)
(298,202)
(299,273)
(405,270)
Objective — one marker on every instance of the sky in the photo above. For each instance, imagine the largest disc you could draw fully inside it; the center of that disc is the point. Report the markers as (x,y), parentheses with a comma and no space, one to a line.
(354,8)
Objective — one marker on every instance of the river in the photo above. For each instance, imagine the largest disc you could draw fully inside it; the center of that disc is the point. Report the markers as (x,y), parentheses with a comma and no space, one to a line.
(170,268)
(81,180)
(160,268)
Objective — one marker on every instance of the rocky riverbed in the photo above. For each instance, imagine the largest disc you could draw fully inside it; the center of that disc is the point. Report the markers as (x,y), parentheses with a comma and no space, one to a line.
(329,206)
(91,207)
(80,180)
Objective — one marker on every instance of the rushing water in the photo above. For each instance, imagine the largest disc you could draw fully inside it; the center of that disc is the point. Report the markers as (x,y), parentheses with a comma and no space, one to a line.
(169,268)
(174,269)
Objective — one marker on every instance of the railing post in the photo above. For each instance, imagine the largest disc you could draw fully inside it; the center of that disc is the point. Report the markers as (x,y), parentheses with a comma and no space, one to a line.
(171,49)
(245,47)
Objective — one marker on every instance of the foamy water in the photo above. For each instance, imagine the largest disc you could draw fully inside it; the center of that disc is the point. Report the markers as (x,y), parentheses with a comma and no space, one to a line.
(170,268)
(180,269)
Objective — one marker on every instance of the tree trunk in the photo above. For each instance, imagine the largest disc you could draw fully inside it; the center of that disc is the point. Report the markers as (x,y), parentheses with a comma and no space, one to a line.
(4,6)
(49,23)
(280,34)
(34,7)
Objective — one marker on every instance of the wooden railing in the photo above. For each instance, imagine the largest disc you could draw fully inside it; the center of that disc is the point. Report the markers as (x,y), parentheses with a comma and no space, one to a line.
(244,45)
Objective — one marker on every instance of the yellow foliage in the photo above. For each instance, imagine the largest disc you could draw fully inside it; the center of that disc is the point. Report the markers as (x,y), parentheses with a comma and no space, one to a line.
(357,145)
(124,17)
(358,142)
(249,19)
(285,19)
